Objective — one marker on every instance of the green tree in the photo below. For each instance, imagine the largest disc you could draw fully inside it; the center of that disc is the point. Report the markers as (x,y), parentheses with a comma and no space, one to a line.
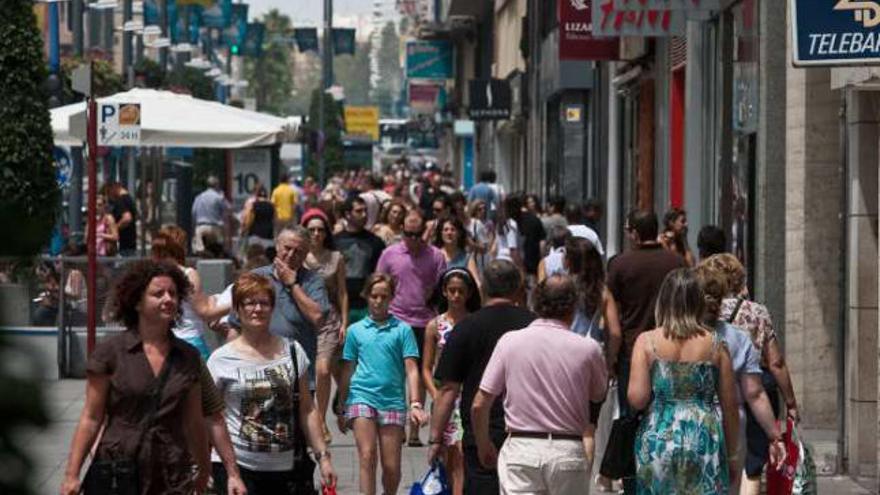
(390,71)
(353,74)
(333,118)
(270,77)
(29,194)
(28,203)
(192,81)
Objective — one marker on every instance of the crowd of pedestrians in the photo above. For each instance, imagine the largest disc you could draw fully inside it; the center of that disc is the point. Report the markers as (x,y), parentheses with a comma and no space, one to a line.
(401,289)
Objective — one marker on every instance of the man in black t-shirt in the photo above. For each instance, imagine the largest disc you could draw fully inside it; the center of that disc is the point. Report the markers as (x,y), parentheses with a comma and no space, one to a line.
(361,250)
(461,366)
(125,213)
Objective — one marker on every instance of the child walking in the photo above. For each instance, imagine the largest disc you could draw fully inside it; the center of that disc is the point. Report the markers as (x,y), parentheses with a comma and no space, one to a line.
(458,296)
(379,355)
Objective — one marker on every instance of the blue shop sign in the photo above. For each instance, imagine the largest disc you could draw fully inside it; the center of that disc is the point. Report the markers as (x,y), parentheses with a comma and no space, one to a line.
(835,32)
(429,59)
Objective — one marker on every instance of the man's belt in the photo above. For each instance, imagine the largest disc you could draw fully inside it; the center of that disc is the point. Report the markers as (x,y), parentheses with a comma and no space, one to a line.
(546,435)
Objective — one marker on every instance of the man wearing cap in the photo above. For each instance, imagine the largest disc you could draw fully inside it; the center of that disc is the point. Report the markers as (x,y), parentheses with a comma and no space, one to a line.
(549,446)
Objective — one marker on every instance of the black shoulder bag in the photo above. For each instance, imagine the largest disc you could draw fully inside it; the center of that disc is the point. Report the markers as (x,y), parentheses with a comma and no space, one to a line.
(303,482)
(121,477)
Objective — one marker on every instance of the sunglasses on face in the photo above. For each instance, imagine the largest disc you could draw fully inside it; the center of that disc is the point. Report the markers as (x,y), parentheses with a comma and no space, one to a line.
(412,235)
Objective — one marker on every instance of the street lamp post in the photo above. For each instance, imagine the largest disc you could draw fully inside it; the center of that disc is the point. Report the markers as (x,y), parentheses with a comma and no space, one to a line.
(326,82)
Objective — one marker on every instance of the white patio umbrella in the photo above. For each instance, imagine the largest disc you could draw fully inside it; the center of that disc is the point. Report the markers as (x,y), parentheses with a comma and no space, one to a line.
(175,120)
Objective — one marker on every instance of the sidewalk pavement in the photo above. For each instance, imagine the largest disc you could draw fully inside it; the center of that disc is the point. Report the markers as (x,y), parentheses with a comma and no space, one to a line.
(49,449)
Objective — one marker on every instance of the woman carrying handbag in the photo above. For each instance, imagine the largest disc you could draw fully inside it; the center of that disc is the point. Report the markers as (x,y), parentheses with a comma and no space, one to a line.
(143,387)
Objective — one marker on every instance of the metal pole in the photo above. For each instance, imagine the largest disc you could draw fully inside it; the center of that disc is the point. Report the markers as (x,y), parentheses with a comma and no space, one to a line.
(77,12)
(326,82)
(126,43)
(163,24)
(91,272)
(54,56)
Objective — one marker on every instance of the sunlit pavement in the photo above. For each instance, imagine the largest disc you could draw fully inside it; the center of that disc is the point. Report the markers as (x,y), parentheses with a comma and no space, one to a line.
(50,448)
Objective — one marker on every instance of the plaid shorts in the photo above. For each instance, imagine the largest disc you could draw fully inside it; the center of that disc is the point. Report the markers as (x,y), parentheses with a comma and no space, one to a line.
(384,418)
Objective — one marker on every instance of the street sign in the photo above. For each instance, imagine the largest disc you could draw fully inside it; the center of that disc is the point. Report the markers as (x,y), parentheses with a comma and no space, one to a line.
(429,59)
(81,80)
(835,32)
(251,167)
(576,40)
(490,99)
(362,120)
(119,124)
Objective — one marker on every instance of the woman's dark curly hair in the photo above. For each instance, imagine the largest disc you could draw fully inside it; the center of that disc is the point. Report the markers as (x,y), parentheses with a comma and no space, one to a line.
(459,227)
(131,286)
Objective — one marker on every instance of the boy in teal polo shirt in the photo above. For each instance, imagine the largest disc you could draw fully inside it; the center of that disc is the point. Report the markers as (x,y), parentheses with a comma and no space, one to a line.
(380,352)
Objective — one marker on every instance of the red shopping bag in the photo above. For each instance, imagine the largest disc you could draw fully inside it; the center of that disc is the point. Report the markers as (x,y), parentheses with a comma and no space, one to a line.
(328,490)
(781,481)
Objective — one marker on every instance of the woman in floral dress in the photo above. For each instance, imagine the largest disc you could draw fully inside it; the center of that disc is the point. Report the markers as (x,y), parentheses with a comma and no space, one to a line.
(689,431)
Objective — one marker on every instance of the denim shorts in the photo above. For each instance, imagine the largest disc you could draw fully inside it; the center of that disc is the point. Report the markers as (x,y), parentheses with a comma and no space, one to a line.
(383,418)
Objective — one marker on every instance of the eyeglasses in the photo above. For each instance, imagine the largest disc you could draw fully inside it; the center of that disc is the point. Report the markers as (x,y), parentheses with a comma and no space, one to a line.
(251,305)
(316,230)
(412,235)
(438,210)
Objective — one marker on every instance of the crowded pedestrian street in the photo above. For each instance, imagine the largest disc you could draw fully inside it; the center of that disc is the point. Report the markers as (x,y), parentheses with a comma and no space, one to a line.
(439,247)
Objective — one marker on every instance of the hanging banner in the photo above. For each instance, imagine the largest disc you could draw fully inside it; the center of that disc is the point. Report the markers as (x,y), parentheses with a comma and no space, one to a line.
(609,20)
(195,23)
(306,39)
(343,41)
(833,33)
(218,15)
(253,41)
(200,3)
(576,40)
(234,35)
(429,59)
(667,4)
(174,28)
(151,12)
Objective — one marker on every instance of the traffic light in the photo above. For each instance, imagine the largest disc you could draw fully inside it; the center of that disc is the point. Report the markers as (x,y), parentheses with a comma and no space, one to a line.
(233,49)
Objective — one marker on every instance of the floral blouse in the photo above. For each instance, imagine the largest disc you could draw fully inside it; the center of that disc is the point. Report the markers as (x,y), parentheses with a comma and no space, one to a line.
(751,317)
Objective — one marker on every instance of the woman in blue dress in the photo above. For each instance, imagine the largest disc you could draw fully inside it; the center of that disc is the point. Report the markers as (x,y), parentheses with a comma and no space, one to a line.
(682,375)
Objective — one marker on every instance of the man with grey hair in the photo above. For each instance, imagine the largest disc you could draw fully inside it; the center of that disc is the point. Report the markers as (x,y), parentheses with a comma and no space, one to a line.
(463,361)
(301,301)
(549,446)
(210,215)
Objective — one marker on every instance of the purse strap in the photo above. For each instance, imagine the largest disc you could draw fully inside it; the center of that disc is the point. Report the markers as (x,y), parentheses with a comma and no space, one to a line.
(155,399)
(735,312)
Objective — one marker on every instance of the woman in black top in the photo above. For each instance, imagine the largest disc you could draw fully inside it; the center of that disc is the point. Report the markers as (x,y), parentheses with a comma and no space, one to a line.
(260,220)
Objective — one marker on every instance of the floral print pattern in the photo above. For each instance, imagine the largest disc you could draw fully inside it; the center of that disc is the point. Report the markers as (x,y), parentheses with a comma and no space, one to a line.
(680,444)
(753,318)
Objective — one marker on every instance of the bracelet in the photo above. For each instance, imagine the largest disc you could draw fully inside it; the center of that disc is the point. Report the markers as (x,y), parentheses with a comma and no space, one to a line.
(322,455)
(415,405)
(431,441)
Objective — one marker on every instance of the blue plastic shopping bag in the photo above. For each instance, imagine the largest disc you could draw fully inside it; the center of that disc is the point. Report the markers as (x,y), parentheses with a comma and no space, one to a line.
(433,483)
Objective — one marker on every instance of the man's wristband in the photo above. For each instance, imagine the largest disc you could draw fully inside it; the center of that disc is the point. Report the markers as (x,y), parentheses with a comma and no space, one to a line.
(416,405)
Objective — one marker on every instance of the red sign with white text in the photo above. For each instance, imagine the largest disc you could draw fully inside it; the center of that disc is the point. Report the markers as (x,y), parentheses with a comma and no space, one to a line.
(576,40)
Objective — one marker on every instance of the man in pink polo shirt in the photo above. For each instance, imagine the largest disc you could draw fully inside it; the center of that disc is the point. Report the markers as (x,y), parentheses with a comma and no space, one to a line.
(417,267)
(548,376)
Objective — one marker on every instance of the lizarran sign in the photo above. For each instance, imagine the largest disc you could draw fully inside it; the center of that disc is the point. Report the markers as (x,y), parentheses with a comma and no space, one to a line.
(835,32)
(576,40)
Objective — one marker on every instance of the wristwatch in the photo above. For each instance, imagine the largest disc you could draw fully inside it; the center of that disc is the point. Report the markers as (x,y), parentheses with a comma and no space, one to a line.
(321,455)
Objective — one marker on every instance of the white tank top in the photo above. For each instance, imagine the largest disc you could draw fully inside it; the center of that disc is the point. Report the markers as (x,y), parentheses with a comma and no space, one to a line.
(190,325)
(553,262)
